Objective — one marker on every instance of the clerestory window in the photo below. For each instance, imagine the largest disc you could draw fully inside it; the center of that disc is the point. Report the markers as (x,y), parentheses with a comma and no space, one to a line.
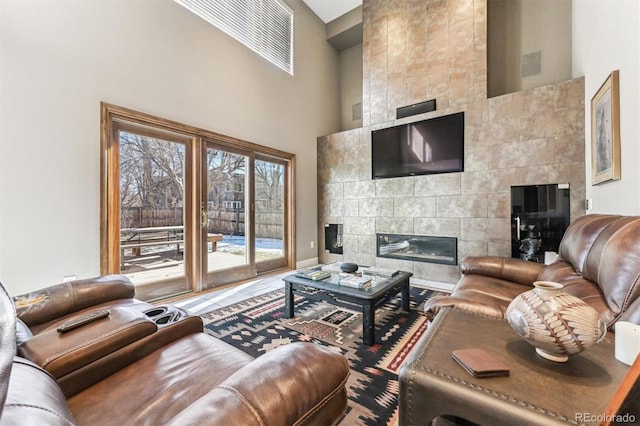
(264,26)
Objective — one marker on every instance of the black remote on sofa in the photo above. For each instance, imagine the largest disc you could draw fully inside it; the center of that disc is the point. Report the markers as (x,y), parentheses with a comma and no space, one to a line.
(78,322)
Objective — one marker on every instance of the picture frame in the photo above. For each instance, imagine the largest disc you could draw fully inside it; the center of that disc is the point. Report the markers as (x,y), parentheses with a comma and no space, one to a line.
(605,131)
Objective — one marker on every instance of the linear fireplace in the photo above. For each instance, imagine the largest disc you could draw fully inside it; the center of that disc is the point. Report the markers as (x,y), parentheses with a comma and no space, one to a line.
(420,248)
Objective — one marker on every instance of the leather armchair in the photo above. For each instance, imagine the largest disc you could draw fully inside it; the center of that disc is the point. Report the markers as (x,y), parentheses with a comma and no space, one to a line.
(129,368)
(47,307)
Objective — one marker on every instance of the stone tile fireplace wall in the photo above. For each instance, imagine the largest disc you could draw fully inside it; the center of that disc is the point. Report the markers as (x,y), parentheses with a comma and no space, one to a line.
(530,137)
(415,50)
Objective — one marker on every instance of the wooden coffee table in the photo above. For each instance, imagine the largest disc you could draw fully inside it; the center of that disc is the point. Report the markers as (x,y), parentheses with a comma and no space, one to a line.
(329,290)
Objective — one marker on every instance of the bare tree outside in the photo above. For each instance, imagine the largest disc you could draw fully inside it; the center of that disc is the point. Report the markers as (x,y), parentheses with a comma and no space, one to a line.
(152,188)
(225,178)
(269,185)
(226,182)
(151,176)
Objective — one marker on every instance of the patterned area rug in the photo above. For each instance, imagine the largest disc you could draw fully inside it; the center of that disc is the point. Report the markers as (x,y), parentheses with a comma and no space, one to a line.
(258,325)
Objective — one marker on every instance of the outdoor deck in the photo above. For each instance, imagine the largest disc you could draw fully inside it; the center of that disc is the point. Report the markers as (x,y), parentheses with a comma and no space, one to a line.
(162,262)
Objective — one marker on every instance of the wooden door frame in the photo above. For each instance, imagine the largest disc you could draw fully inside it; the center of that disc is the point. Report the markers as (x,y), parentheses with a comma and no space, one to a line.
(111,118)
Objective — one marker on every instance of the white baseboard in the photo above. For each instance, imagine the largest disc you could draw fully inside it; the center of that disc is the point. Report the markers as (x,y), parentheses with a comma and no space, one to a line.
(306,263)
(433,285)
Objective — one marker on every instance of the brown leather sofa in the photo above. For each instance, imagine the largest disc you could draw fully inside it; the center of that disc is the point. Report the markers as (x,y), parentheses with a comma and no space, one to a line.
(599,262)
(145,364)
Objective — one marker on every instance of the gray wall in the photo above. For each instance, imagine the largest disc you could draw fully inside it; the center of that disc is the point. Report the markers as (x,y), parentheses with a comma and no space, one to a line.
(350,86)
(518,29)
(607,38)
(60,58)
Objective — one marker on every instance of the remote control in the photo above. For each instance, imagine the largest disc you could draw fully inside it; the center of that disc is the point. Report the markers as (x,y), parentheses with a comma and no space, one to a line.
(70,325)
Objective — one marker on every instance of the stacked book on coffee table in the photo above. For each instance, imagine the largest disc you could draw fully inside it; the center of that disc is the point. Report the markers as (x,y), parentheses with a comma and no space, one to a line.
(380,272)
(354,281)
(314,274)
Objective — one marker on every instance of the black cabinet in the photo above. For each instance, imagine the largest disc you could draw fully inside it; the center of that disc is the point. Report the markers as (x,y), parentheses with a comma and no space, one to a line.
(540,215)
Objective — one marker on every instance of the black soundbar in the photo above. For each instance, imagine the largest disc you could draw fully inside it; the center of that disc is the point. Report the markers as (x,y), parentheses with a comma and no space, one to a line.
(419,108)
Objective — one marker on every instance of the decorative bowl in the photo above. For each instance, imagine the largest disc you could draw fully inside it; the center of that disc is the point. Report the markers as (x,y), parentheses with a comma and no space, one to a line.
(348,267)
(557,324)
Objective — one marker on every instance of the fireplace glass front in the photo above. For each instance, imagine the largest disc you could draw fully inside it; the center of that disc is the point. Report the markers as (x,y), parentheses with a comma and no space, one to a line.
(420,248)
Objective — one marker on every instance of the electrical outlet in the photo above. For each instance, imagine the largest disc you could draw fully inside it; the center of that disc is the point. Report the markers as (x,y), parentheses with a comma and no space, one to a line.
(313,244)
(589,203)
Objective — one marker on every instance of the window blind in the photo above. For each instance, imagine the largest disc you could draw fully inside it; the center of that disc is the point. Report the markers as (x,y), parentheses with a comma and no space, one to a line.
(264,26)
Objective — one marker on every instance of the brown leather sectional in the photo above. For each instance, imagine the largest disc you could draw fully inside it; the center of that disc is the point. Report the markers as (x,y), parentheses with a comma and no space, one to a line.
(145,364)
(599,262)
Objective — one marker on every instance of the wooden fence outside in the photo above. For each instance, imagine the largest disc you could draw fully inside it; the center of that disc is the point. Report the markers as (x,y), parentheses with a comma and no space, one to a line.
(221,221)
(145,217)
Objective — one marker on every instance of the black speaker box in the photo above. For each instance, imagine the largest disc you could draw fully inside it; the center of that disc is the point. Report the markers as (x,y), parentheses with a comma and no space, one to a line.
(419,108)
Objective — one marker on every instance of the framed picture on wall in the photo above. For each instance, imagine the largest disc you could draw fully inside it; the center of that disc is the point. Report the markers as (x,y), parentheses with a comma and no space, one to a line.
(605,131)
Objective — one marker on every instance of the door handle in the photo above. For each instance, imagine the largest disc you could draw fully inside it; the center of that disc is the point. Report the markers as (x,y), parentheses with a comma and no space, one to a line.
(204,218)
(517,219)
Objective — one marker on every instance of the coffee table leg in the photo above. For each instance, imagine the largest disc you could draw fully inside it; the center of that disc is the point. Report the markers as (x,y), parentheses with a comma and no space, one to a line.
(405,296)
(368,324)
(288,300)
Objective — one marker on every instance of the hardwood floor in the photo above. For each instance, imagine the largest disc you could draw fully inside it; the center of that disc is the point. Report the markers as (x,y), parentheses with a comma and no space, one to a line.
(210,301)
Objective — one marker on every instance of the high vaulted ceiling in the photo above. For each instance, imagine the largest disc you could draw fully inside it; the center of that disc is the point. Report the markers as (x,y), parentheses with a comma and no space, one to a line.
(328,10)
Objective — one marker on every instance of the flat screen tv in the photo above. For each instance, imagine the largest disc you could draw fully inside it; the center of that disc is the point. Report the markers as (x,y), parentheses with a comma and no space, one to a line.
(425,147)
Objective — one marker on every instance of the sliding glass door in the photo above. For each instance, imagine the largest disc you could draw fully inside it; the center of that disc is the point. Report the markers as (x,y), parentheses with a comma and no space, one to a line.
(270,177)
(244,211)
(152,210)
(183,209)
(227,212)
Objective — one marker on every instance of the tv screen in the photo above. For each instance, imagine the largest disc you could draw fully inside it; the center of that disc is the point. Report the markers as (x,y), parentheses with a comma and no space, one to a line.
(431,146)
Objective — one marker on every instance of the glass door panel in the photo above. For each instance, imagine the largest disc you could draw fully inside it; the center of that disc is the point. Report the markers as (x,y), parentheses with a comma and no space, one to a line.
(229,243)
(269,214)
(178,205)
(152,214)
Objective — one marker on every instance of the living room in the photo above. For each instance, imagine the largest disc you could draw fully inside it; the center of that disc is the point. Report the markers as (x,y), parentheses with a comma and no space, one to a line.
(60,59)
